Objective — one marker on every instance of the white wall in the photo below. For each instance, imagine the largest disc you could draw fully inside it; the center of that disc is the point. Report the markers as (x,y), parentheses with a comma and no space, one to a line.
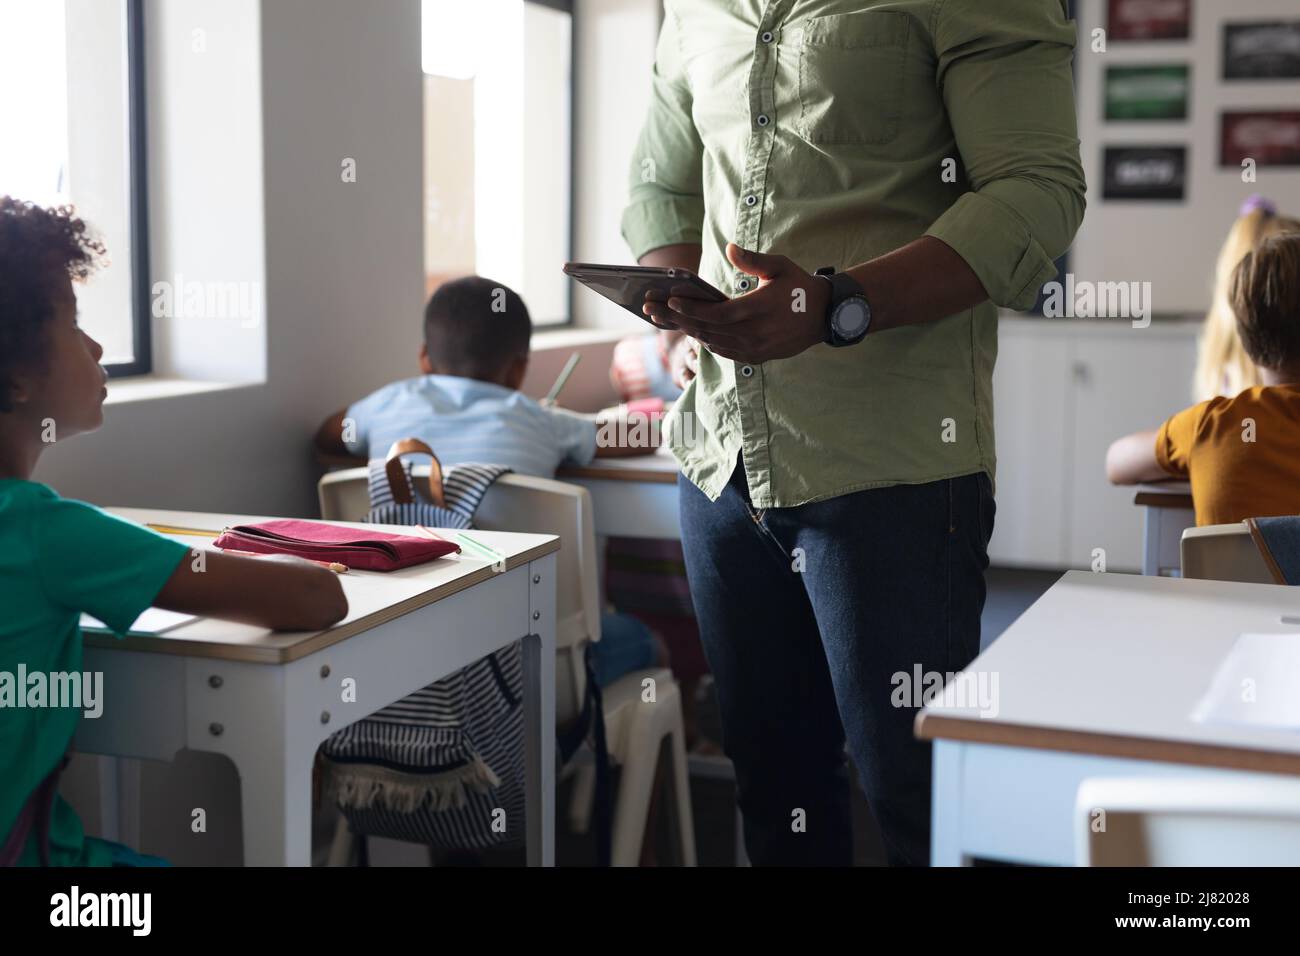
(1175,245)
(614,57)
(342,262)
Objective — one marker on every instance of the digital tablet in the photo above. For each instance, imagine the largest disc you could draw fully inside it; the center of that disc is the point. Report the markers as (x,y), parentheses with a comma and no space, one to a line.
(627,285)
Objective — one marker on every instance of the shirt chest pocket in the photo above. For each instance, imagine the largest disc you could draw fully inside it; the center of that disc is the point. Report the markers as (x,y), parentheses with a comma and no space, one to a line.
(852,69)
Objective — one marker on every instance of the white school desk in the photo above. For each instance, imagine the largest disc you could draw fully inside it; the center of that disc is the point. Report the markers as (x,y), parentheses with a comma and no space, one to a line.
(267,699)
(1166,513)
(632,497)
(1096,679)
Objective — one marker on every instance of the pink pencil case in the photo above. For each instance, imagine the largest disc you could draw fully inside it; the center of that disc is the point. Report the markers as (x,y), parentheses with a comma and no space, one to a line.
(363,550)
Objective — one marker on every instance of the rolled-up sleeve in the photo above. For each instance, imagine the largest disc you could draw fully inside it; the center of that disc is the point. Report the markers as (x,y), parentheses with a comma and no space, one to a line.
(1005,72)
(666,194)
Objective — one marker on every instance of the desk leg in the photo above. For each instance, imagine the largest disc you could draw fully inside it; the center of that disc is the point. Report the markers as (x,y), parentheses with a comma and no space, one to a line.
(128,801)
(945,811)
(110,795)
(539,712)
(275,800)
(1152,537)
(119,799)
(261,718)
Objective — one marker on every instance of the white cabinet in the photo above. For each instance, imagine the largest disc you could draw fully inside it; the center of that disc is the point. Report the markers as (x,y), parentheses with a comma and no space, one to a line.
(1030,409)
(1062,392)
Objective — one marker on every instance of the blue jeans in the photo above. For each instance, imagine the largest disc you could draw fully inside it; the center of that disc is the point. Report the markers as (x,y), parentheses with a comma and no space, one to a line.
(806,615)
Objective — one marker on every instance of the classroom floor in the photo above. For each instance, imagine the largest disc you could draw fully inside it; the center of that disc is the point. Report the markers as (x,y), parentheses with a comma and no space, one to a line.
(1010,592)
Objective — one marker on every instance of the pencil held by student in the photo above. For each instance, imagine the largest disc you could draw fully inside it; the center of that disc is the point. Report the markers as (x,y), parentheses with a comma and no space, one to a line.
(60,558)
(1240,453)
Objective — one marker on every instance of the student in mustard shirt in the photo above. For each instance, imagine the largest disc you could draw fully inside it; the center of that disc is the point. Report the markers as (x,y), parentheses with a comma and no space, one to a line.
(1241,454)
(59,558)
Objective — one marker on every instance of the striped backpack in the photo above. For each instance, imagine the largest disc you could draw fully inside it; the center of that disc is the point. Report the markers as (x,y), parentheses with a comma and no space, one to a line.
(440,765)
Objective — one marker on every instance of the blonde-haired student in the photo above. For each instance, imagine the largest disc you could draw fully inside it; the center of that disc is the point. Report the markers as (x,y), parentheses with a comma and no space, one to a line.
(1241,454)
(1223,367)
(59,558)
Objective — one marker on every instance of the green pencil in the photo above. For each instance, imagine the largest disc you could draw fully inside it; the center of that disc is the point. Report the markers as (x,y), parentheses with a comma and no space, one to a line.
(475,544)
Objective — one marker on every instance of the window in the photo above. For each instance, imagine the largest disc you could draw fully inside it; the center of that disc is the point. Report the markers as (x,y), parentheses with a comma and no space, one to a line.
(71,89)
(498,93)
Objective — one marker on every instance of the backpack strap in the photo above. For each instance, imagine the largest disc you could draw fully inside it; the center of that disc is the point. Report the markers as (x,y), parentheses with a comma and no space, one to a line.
(466,485)
(398,481)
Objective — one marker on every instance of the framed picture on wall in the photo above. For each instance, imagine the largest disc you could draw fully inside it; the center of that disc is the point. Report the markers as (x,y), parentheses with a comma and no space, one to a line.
(1147,92)
(1149,173)
(1269,137)
(1139,20)
(1261,51)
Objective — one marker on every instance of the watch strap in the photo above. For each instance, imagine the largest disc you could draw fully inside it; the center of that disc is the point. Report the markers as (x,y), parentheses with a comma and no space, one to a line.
(843,286)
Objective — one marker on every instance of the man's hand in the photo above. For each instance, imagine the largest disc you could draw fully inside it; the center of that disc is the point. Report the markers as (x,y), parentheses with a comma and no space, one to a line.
(784,316)
(684,360)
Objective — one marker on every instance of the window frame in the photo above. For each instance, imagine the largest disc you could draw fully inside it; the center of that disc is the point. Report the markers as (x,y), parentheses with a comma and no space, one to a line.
(138,200)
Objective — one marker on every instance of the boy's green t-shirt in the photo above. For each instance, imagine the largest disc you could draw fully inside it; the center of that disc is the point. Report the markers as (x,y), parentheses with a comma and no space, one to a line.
(59,558)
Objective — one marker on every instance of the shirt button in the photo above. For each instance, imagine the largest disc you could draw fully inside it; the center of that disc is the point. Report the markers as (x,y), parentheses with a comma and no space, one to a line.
(746,370)
(766,36)
(762,119)
(750,200)
(742,284)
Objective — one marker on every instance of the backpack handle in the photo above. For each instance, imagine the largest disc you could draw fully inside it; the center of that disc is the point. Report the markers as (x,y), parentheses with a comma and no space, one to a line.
(403,493)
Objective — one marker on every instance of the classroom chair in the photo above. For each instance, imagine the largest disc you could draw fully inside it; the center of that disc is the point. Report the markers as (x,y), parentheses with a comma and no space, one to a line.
(635,731)
(1250,820)
(1223,552)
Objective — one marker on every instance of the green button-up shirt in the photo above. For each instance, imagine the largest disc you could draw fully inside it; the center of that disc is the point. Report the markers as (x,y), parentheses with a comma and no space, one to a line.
(833,132)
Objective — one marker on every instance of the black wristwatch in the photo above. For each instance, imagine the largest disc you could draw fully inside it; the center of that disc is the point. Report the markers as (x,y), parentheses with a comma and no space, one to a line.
(848,315)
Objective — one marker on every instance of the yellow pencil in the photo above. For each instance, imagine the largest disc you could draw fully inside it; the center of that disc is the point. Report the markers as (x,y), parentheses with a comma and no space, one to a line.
(168,529)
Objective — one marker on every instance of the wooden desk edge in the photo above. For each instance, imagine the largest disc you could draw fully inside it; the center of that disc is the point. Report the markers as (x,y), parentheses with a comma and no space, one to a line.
(588,473)
(330,460)
(1163,499)
(1217,756)
(319,640)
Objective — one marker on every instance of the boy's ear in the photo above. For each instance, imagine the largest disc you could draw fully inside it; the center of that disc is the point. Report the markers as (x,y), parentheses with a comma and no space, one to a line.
(515,373)
(426,366)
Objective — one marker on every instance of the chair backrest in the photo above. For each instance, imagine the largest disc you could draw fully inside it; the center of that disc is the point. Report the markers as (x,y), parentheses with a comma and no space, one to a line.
(344,495)
(1223,552)
(531,505)
(1249,820)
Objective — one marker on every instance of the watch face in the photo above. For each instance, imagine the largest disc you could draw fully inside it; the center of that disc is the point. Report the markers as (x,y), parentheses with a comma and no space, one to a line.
(851,318)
